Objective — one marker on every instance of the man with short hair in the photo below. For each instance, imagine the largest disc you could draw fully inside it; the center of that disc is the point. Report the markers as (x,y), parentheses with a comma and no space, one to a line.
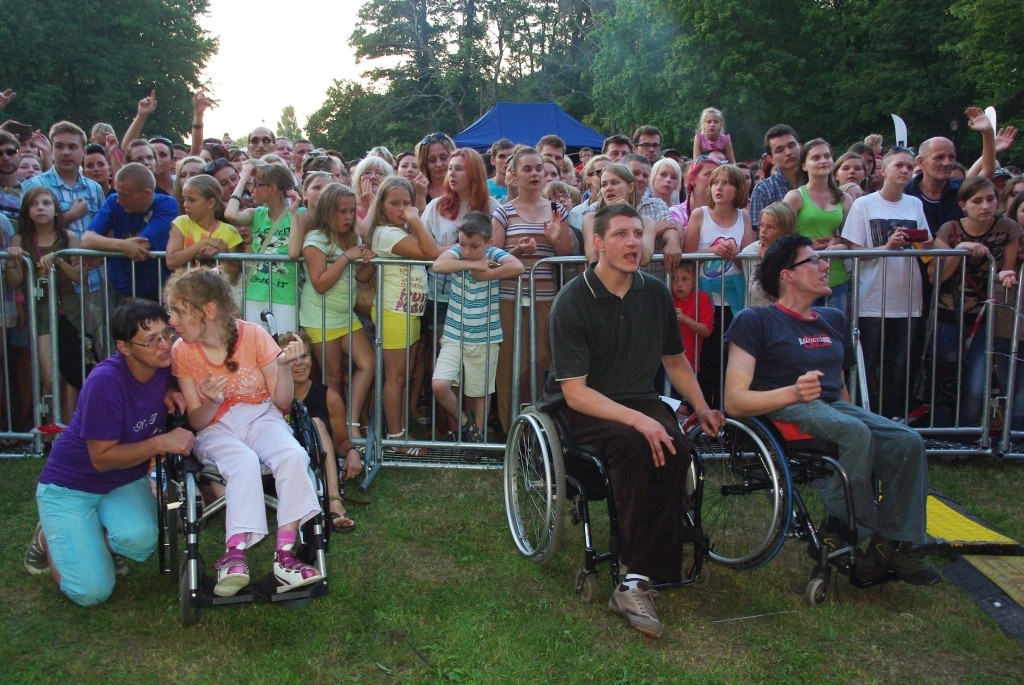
(10,186)
(134,221)
(788,361)
(93,495)
(647,142)
(616,147)
(610,329)
(890,290)
(80,199)
(283,148)
(500,152)
(937,157)
(783,146)
(552,146)
(261,142)
(300,149)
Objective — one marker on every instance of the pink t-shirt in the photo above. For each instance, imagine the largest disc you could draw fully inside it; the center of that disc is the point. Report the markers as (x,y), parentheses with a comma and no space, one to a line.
(254,350)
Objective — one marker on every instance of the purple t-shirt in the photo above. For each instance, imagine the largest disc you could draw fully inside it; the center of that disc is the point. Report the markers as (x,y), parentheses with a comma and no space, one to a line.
(113,405)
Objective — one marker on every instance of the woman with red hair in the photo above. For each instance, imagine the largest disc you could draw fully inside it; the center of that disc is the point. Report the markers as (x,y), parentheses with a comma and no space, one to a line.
(464,190)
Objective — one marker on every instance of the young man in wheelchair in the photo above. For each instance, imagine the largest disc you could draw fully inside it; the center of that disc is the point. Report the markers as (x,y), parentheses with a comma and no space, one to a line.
(609,329)
(787,361)
(93,495)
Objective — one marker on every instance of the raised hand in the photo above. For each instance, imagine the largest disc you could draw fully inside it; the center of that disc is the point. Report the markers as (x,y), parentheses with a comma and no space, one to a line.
(147,105)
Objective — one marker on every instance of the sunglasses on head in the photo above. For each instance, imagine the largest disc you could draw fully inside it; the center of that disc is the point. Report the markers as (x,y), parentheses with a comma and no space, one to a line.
(162,141)
(433,138)
(900,148)
(215,164)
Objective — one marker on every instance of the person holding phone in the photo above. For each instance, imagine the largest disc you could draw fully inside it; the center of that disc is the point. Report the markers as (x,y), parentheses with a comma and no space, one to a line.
(890,289)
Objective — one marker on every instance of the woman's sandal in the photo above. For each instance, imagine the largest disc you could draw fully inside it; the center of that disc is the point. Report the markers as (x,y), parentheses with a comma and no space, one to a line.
(406,451)
(341,523)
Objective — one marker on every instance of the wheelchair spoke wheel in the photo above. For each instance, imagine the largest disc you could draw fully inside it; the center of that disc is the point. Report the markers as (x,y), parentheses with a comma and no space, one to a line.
(746,505)
(534,485)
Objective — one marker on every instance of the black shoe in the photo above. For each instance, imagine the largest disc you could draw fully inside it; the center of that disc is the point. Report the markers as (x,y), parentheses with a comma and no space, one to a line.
(832,536)
(896,557)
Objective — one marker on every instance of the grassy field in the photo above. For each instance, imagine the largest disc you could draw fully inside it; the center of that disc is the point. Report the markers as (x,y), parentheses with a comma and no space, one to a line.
(430,589)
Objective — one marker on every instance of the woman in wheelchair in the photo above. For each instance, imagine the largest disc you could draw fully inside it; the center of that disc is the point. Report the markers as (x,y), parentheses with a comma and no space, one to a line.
(236,382)
(787,361)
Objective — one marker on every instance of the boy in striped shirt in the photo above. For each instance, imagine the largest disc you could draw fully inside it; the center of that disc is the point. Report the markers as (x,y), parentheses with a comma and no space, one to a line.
(472,329)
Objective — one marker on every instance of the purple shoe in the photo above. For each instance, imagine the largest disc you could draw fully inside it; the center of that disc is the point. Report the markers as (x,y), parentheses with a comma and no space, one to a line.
(290,573)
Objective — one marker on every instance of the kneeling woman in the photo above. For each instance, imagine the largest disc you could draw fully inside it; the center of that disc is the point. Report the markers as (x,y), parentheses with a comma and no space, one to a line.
(236,382)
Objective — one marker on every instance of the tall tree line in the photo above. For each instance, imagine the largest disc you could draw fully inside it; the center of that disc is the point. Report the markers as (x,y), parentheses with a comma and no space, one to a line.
(833,68)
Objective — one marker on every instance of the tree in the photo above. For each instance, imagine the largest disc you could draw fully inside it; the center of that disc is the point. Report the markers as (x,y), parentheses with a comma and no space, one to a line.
(92,60)
(288,127)
(354,118)
(991,52)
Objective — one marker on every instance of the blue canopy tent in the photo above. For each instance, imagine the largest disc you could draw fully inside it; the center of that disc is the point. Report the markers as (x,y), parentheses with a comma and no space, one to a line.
(525,123)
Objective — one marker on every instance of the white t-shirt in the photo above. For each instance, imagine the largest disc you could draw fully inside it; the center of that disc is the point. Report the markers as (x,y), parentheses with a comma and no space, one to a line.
(871,221)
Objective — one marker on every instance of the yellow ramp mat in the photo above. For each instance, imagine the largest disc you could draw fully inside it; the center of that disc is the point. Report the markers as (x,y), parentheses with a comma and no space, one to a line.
(1006,572)
(949,526)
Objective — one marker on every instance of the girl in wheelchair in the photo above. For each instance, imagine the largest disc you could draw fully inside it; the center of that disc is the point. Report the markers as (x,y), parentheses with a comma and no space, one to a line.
(236,382)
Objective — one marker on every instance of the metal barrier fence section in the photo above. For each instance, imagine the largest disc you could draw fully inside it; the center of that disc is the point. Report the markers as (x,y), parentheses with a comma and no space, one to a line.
(920,360)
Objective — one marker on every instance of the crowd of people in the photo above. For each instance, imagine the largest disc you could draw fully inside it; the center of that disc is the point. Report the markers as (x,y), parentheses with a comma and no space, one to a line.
(631,208)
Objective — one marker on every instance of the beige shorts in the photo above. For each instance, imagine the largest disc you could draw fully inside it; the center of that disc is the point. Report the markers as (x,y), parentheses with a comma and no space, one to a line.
(480,361)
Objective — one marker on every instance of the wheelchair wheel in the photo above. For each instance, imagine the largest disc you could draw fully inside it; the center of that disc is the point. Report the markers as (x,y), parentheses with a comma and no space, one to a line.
(747,502)
(816,591)
(171,522)
(586,585)
(535,485)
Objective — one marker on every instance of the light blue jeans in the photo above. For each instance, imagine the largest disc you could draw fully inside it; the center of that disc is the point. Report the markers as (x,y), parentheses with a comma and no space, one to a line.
(78,527)
(870,446)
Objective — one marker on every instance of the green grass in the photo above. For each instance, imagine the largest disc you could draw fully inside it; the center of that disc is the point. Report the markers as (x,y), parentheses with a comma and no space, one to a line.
(430,589)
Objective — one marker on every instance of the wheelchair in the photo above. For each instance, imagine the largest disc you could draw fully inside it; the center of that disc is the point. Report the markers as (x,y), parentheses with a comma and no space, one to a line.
(546,472)
(183,514)
(758,477)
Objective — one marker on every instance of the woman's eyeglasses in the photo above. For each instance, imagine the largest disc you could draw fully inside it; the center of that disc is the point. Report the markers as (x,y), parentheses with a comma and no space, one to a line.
(166,336)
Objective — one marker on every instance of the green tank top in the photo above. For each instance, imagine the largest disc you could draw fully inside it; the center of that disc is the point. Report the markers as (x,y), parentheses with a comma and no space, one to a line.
(814,223)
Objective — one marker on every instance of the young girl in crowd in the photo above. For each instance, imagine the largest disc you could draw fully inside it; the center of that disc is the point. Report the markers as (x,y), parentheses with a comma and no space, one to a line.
(313,184)
(849,168)
(982,233)
(327,410)
(198,234)
(331,250)
(821,208)
(711,135)
(185,169)
(777,220)
(721,227)
(265,230)
(236,382)
(698,178)
(396,232)
(29,167)
(41,233)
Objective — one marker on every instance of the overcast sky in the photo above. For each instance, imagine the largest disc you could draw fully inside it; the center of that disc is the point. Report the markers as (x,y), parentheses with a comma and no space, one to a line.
(275,53)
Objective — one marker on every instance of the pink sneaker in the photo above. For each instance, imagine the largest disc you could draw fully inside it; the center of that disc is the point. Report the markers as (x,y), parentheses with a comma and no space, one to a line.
(232,573)
(290,573)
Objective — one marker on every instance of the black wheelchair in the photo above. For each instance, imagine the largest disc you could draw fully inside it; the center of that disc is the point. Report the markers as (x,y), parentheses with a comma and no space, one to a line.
(759,481)
(546,470)
(183,514)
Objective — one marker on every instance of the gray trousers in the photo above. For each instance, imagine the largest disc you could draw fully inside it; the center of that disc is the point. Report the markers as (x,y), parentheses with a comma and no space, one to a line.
(870,446)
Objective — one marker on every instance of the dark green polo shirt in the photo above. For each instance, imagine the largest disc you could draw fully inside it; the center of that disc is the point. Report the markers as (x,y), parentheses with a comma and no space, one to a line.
(616,343)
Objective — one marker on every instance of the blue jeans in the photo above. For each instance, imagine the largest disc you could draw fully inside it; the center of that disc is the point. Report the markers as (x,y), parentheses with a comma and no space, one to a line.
(870,446)
(891,362)
(78,527)
(1002,349)
(972,380)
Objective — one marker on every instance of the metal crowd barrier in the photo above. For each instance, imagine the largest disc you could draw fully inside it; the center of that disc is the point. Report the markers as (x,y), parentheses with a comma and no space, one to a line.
(943,437)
